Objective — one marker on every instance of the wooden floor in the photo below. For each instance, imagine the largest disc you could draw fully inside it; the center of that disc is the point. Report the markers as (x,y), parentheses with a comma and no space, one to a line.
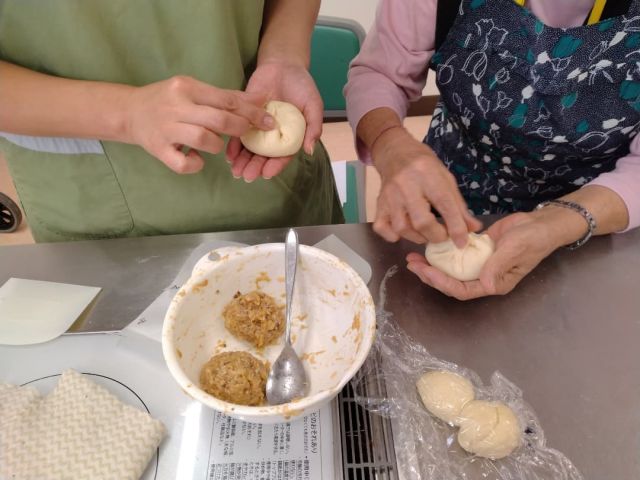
(337,137)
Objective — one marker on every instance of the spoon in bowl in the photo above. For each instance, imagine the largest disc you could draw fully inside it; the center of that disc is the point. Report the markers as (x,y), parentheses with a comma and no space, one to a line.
(287,379)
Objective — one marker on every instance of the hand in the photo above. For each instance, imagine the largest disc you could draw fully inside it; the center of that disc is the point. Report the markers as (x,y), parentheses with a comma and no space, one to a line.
(414,180)
(287,82)
(182,112)
(522,240)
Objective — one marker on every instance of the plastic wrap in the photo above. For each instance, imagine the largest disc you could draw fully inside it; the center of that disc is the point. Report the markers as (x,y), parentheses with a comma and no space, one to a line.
(426,447)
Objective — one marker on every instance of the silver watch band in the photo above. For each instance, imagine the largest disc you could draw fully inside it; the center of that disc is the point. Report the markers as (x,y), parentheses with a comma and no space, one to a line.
(591,222)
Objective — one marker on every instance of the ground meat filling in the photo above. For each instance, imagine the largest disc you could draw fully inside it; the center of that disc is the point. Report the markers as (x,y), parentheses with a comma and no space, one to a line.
(254,317)
(235,377)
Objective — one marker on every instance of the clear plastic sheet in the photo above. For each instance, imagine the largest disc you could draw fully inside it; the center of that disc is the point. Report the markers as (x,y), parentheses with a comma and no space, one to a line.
(427,448)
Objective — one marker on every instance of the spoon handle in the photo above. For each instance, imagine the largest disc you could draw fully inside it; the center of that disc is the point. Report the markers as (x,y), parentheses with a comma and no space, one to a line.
(291,261)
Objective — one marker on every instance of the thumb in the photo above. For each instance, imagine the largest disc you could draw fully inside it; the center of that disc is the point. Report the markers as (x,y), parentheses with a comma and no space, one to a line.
(313,112)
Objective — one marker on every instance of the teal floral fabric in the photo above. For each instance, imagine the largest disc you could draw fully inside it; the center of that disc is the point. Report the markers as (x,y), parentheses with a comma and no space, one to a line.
(529,112)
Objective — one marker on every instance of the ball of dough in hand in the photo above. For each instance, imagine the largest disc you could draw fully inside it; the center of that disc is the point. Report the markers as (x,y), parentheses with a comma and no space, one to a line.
(285,139)
(463,264)
(444,394)
(489,429)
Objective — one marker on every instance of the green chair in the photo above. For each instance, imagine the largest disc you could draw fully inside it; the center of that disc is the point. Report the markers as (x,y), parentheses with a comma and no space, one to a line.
(334,43)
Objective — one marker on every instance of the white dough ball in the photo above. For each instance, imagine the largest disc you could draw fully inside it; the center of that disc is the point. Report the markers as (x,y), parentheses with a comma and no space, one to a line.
(444,394)
(489,429)
(285,139)
(463,264)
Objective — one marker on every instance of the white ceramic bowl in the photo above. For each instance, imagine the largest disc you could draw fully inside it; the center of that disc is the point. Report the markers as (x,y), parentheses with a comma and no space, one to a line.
(332,331)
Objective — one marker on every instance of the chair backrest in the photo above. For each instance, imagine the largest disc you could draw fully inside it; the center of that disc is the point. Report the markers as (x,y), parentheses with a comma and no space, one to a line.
(335,42)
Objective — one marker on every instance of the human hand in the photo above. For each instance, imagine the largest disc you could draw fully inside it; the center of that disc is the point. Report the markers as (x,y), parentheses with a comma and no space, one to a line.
(413,181)
(165,116)
(288,82)
(522,241)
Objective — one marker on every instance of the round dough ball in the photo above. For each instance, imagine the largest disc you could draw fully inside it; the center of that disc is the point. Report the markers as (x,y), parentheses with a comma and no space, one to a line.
(489,429)
(462,264)
(444,394)
(285,139)
(235,377)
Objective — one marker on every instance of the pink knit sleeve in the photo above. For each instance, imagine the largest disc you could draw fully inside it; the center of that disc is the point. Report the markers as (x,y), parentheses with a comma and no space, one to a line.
(625,181)
(391,69)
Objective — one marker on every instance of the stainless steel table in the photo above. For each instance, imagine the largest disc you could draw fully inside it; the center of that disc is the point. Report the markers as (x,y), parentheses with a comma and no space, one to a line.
(569,335)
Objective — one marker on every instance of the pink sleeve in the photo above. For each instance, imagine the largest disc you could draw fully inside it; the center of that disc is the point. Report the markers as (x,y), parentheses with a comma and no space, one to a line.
(625,181)
(391,69)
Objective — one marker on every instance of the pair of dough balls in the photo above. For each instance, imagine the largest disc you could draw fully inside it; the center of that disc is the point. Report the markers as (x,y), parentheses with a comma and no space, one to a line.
(283,140)
(487,429)
(463,264)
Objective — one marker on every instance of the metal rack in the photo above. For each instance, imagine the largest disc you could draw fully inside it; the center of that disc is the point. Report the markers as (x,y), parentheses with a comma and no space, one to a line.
(367,440)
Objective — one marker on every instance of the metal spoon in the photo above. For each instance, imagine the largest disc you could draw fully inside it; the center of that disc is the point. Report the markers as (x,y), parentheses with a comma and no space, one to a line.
(287,379)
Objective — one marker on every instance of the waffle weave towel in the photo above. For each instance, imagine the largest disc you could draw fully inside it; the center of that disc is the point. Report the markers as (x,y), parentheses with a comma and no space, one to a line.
(79,431)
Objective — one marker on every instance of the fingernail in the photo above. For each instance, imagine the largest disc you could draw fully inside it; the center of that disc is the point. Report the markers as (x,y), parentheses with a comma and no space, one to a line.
(269,121)
(461,244)
(248,181)
(237,177)
(266,178)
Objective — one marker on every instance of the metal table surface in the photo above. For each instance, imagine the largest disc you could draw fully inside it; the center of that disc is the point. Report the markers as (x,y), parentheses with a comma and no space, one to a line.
(568,335)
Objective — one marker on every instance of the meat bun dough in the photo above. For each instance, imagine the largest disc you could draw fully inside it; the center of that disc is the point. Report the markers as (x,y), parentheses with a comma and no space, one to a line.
(463,264)
(489,429)
(444,394)
(285,139)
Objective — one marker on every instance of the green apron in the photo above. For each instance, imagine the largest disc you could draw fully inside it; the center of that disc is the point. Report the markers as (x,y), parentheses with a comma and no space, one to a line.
(123,191)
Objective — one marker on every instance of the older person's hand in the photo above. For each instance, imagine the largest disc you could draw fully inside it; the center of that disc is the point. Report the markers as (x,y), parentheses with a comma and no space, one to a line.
(522,240)
(414,181)
(288,82)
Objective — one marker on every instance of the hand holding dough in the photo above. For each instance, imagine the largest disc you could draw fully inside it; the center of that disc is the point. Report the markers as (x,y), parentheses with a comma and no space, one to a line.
(285,139)
(488,429)
(444,394)
(462,264)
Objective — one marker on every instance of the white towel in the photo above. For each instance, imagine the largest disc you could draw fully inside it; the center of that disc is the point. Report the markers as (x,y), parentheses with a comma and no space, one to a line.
(79,431)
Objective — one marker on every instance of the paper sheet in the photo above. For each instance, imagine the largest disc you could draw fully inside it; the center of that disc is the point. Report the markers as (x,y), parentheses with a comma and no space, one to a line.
(32,311)
(340,175)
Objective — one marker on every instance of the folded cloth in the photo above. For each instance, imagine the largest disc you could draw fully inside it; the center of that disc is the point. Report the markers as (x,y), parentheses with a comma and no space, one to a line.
(79,431)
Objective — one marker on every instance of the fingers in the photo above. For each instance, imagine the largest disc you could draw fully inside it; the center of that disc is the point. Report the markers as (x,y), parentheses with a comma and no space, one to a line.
(227,100)
(216,120)
(259,99)
(241,161)
(249,166)
(401,224)
(274,166)
(388,207)
(451,206)
(179,162)
(195,137)
(414,257)
(504,269)
(473,224)
(382,226)
(447,285)
(313,113)
(234,147)
(424,221)
(253,169)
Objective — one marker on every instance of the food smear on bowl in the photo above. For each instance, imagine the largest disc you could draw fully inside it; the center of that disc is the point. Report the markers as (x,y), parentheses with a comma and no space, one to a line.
(235,377)
(254,317)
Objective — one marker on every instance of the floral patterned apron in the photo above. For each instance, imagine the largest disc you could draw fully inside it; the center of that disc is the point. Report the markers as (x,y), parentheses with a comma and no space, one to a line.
(529,112)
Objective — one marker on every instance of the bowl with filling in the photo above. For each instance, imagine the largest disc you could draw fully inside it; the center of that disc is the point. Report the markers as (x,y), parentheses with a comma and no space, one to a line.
(225,328)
